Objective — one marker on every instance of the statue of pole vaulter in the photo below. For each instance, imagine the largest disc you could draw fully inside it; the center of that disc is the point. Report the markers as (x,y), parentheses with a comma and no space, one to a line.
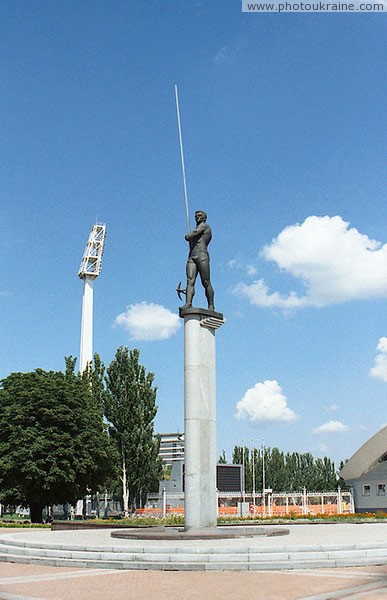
(199,260)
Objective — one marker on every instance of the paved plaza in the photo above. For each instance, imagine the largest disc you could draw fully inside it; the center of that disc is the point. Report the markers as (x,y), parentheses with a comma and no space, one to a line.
(32,582)
(45,582)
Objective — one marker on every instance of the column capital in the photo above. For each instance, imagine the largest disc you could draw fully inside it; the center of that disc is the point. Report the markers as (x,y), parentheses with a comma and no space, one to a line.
(202,312)
(208,318)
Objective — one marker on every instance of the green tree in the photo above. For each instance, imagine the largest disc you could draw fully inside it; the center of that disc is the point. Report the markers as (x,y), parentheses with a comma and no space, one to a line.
(94,374)
(325,475)
(54,447)
(285,473)
(275,470)
(340,481)
(222,460)
(241,456)
(130,408)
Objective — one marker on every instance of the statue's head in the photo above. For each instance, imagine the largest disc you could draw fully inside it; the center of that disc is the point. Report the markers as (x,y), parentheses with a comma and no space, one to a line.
(200,216)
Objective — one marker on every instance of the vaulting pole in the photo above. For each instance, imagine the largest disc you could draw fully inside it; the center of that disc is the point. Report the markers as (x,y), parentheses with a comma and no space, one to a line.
(182,158)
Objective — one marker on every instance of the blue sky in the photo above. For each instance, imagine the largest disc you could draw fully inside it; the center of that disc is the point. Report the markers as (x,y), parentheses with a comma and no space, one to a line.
(284,125)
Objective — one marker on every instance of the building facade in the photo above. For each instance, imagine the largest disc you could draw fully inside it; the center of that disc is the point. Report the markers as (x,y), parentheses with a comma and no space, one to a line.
(171,447)
(366,473)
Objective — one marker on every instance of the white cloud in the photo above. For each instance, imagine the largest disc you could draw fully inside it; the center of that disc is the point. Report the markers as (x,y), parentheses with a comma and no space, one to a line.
(334,262)
(265,402)
(331,427)
(323,447)
(379,370)
(221,55)
(148,321)
(250,270)
(227,54)
(332,408)
(257,293)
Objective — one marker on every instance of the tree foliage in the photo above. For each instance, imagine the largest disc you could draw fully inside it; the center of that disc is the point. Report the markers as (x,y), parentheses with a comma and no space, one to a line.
(222,458)
(130,408)
(54,446)
(289,472)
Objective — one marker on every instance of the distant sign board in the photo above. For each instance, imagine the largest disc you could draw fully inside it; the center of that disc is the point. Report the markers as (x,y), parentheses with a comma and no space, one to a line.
(229,478)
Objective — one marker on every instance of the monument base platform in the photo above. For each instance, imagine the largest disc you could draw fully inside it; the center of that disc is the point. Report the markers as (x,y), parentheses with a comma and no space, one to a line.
(306,547)
(205,533)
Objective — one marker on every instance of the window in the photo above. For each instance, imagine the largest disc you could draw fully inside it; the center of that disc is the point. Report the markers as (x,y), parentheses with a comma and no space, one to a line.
(381,489)
(366,490)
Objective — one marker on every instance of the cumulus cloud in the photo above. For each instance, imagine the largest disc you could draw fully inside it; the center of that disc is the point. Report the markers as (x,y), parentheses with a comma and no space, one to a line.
(331,427)
(258,294)
(379,370)
(335,263)
(148,322)
(264,402)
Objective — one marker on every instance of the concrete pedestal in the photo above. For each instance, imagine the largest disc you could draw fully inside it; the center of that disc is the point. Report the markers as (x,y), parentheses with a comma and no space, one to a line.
(200,416)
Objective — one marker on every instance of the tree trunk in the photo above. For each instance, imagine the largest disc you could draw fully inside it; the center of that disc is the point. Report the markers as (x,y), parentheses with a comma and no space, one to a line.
(36,512)
(125,490)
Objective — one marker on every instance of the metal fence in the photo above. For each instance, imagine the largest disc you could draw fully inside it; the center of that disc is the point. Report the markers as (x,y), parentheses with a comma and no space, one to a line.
(231,504)
(261,505)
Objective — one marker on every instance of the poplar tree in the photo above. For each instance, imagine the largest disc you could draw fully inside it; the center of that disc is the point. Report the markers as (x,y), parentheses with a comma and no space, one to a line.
(130,409)
(286,473)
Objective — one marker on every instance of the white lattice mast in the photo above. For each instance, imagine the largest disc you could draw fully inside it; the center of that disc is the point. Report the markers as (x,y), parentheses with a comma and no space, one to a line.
(88,271)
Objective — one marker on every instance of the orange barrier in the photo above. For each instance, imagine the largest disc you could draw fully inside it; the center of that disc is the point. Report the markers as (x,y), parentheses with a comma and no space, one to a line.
(295,509)
(275,511)
(148,512)
(227,510)
(176,510)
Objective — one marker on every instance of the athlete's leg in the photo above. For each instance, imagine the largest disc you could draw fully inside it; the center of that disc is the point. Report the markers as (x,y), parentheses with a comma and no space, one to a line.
(204,270)
(192,272)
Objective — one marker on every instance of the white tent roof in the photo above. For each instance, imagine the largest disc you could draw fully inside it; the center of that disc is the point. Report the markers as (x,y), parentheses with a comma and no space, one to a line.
(366,457)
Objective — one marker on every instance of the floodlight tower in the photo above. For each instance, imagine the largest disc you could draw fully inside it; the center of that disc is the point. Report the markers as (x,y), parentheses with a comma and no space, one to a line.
(88,271)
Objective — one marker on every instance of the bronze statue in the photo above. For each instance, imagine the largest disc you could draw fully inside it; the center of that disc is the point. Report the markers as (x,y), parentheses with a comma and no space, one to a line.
(198,260)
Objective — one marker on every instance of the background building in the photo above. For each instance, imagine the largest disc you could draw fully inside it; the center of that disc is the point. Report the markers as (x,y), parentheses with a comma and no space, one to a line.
(171,447)
(366,473)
